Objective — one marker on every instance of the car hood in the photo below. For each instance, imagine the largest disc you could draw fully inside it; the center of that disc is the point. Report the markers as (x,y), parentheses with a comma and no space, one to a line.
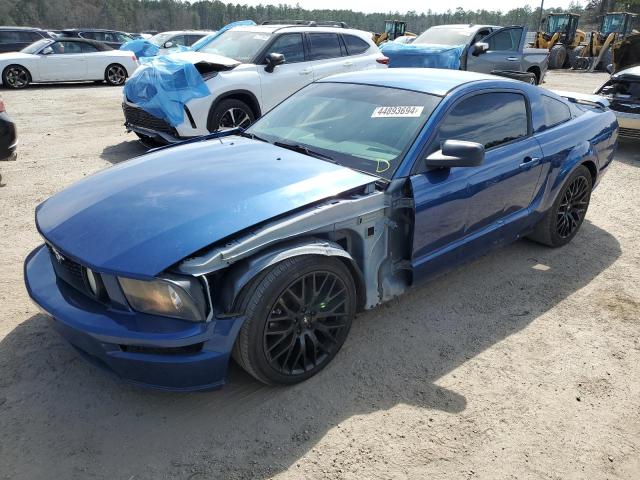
(206,59)
(141,217)
(4,57)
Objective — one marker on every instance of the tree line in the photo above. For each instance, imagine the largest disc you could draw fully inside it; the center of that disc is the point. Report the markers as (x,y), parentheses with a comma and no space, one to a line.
(162,15)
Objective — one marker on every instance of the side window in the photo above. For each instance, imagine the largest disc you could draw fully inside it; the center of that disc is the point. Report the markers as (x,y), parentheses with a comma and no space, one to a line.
(191,39)
(9,36)
(87,48)
(179,40)
(488,118)
(91,35)
(555,112)
(506,40)
(66,47)
(290,45)
(110,37)
(355,45)
(324,45)
(123,38)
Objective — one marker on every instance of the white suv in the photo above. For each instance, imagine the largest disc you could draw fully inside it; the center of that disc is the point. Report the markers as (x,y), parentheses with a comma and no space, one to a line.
(250,69)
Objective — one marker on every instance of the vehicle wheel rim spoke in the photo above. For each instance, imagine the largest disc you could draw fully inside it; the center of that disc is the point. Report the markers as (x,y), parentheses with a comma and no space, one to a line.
(572,207)
(234,117)
(305,323)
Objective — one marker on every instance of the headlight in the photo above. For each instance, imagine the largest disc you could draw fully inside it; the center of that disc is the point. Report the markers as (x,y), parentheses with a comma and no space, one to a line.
(179,297)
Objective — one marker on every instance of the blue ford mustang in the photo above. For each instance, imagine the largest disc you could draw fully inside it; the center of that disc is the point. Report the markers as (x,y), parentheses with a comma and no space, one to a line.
(262,244)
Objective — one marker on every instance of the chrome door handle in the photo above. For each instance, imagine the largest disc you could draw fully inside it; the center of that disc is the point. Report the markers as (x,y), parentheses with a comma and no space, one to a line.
(306,71)
(348,64)
(529,162)
(513,59)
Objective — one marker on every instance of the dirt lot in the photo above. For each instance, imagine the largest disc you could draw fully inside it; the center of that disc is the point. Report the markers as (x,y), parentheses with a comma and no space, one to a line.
(524,364)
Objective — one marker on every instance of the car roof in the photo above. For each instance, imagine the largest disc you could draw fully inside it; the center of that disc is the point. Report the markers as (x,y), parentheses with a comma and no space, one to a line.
(631,71)
(462,26)
(91,30)
(99,45)
(36,29)
(298,28)
(434,81)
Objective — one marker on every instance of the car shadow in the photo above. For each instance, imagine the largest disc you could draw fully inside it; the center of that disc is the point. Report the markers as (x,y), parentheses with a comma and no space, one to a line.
(628,151)
(65,85)
(123,151)
(61,415)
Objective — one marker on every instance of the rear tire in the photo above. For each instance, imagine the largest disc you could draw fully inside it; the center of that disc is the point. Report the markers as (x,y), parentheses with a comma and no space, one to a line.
(115,75)
(574,53)
(298,316)
(16,76)
(563,220)
(557,56)
(228,114)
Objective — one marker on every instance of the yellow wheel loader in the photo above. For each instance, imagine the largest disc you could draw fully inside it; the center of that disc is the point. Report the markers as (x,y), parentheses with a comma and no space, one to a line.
(562,38)
(392,30)
(600,50)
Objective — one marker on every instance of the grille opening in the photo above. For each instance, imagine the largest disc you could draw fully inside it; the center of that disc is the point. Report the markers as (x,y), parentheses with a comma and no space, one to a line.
(138,117)
(187,349)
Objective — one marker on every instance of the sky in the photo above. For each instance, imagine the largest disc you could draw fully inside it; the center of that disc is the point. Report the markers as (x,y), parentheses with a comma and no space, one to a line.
(406,5)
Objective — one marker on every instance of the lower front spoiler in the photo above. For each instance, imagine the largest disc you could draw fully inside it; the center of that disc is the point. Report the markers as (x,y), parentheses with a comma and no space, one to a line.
(108,339)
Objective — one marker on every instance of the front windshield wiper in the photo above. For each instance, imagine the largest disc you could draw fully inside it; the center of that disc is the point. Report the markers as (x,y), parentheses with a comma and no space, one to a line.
(252,136)
(306,150)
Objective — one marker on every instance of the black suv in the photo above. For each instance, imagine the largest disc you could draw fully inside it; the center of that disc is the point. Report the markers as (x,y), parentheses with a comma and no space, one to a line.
(13,39)
(113,38)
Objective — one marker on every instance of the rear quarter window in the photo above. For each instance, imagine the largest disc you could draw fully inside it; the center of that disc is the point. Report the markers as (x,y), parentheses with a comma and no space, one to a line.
(355,45)
(555,112)
(324,45)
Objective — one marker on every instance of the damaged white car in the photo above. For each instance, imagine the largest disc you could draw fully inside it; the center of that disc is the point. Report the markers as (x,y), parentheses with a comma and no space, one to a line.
(247,70)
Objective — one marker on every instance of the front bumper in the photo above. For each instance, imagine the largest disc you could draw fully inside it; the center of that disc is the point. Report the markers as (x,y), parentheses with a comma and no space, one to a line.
(629,124)
(139,348)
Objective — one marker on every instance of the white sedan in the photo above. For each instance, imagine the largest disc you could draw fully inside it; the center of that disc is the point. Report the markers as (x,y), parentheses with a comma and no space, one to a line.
(66,60)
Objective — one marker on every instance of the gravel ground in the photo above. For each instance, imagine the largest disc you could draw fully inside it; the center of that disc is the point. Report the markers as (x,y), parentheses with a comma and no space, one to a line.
(524,364)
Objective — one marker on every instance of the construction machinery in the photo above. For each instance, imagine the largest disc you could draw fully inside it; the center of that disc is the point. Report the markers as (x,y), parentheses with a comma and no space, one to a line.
(600,50)
(562,38)
(392,30)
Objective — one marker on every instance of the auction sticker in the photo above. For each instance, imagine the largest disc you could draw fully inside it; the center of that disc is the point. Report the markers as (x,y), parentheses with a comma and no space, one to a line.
(397,112)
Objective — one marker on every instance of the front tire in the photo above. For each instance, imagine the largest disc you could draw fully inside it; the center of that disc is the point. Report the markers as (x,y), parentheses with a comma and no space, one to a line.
(115,75)
(298,317)
(557,56)
(16,76)
(228,114)
(563,220)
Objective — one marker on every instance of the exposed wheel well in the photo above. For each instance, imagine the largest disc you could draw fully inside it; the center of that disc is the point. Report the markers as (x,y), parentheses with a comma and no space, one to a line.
(592,170)
(536,71)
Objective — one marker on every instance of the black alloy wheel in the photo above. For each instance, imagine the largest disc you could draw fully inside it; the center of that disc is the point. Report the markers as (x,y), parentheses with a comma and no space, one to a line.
(306,323)
(298,316)
(573,207)
(115,75)
(15,76)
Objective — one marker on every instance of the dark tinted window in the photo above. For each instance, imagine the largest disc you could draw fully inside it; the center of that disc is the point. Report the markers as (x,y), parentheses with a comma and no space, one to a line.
(92,35)
(179,40)
(290,46)
(555,112)
(506,40)
(86,48)
(324,45)
(355,45)
(489,118)
(191,39)
(18,36)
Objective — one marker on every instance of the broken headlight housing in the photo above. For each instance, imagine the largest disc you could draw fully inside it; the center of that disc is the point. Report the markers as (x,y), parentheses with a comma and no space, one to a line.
(171,296)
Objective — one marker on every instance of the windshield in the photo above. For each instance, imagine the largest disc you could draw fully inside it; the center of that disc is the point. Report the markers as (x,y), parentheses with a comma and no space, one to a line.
(612,23)
(160,38)
(239,45)
(34,47)
(557,23)
(442,36)
(362,127)
(203,41)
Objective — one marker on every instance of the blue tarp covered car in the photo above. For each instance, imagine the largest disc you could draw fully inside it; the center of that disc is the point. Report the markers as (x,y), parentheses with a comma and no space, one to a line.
(422,56)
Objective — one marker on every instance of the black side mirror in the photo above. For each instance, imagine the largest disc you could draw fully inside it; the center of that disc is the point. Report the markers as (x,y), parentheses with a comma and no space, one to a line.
(273,60)
(168,44)
(457,153)
(479,48)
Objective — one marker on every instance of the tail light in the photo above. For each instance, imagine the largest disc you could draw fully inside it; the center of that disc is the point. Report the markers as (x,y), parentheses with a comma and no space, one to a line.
(134,58)
(2,107)
(383,60)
